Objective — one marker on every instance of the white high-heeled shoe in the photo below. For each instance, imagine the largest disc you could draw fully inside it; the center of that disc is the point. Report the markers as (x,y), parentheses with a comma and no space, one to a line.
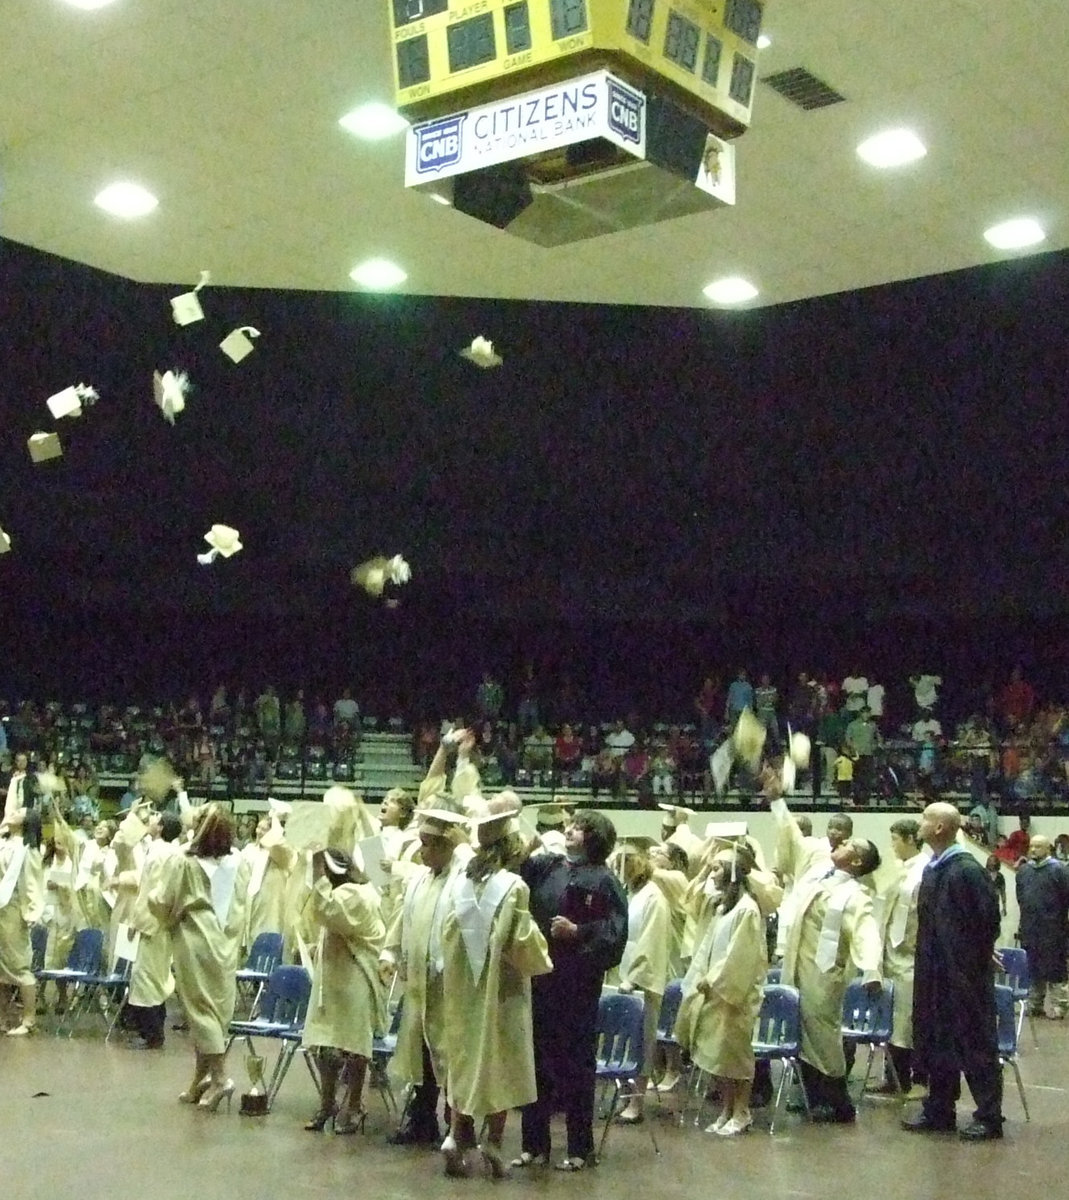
(719,1123)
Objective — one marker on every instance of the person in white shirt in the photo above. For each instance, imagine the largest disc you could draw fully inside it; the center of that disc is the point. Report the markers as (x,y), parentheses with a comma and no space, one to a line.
(856,689)
(874,700)
(925,727)
(346,709)
(924,690)
(620,740)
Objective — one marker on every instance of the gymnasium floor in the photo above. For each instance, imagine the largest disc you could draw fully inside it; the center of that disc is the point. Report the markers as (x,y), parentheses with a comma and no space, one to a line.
(110,1126)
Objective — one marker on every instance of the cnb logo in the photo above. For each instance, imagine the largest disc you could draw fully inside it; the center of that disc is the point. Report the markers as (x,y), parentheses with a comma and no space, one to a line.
(625,112)
(439,144)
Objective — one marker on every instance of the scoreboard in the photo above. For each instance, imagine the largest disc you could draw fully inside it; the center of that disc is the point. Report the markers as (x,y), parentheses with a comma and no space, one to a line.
(451,54)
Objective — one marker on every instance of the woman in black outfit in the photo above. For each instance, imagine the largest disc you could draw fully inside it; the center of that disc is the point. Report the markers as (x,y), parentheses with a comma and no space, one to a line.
(581,909)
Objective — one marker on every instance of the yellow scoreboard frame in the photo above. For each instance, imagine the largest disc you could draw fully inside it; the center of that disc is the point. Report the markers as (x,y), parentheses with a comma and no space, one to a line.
(451,54)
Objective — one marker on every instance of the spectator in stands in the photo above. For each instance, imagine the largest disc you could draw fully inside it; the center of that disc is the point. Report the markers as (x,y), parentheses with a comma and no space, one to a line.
(856,689)
(130,797)
(568,751)
(528,711)
(874,701)
(509,752)
(219,709)
(635,767)
(740,695)
(346,709)
(1015,847)
(1043,897)
(294,725)
(830,735)
(486,744)
(924,726)
(592,746)
(862,739)
(844,776)
(662,770)
(269,721)
(605,773)
(568,704)
(489,698)
(802,704)
(1061,847)
(993,868)
(766,700)
(21,786)
(619,740)
(924,691)
(538,750)
(1017,700)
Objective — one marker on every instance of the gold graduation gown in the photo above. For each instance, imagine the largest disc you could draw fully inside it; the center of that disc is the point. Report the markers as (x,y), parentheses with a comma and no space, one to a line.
(347,1004)
(732,960)
(832,935)
(491,949)
(151,980)
(900,945)
(22,911)
(205,943)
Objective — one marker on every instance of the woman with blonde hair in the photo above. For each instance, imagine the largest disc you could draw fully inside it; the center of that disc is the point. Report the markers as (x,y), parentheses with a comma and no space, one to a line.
(722,991)
(200,898)
(347,1001)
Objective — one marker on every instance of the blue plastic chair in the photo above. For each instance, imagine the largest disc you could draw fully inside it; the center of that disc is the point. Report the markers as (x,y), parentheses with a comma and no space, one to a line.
(279,1016)
(102,993)
(778,1038)
(666,1018)
(774,975)
(1007,1038)
(867,1021)
(382,1050)
(264,955)
(1016,976)
(620,1052)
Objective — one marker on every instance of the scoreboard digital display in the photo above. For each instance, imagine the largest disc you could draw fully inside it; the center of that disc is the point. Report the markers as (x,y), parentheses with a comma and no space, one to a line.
(450,54)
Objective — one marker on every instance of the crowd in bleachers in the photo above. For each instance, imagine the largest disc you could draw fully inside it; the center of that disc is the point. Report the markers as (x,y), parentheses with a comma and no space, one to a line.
(871,744)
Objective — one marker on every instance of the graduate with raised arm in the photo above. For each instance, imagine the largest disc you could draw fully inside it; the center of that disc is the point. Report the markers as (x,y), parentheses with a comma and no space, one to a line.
(830,934)
(22,901)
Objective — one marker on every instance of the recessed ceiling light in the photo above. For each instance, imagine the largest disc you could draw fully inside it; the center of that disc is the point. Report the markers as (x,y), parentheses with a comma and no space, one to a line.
(732,290)
(89,4)
(373,122)
(892,148)
(126,200)
(763,41)
(1015,234)
(377,274)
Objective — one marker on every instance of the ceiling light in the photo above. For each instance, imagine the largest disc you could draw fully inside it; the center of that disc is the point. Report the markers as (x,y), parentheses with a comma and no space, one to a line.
(732,290)
(373,122)
(1015,234)
(126,200)
(763,41)
(89,4)
(893,148)
(377,274)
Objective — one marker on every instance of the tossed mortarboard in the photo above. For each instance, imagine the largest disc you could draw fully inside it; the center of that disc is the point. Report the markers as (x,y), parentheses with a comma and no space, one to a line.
(800,750)
(224,542)
(749,738)
(43,446)
(169,391)
(186,308)
(156,780)
(375,573)
(71,401)
(5,542)
(439,822)
(675,814)
(481,353)
(237,345)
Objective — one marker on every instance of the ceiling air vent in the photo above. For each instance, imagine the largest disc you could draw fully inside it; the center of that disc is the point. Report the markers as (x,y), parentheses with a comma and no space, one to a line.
(801,87)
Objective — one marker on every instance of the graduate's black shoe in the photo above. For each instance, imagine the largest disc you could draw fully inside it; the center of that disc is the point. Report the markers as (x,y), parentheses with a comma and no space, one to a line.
(980,1131)
(824,1114)
(416,1135)
(922,1123)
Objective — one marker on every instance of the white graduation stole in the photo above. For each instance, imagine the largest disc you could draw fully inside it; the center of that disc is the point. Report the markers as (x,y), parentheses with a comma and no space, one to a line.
(828,943)
(475,915)
(259,869)
(11,875)
(636,912)
(222,875)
